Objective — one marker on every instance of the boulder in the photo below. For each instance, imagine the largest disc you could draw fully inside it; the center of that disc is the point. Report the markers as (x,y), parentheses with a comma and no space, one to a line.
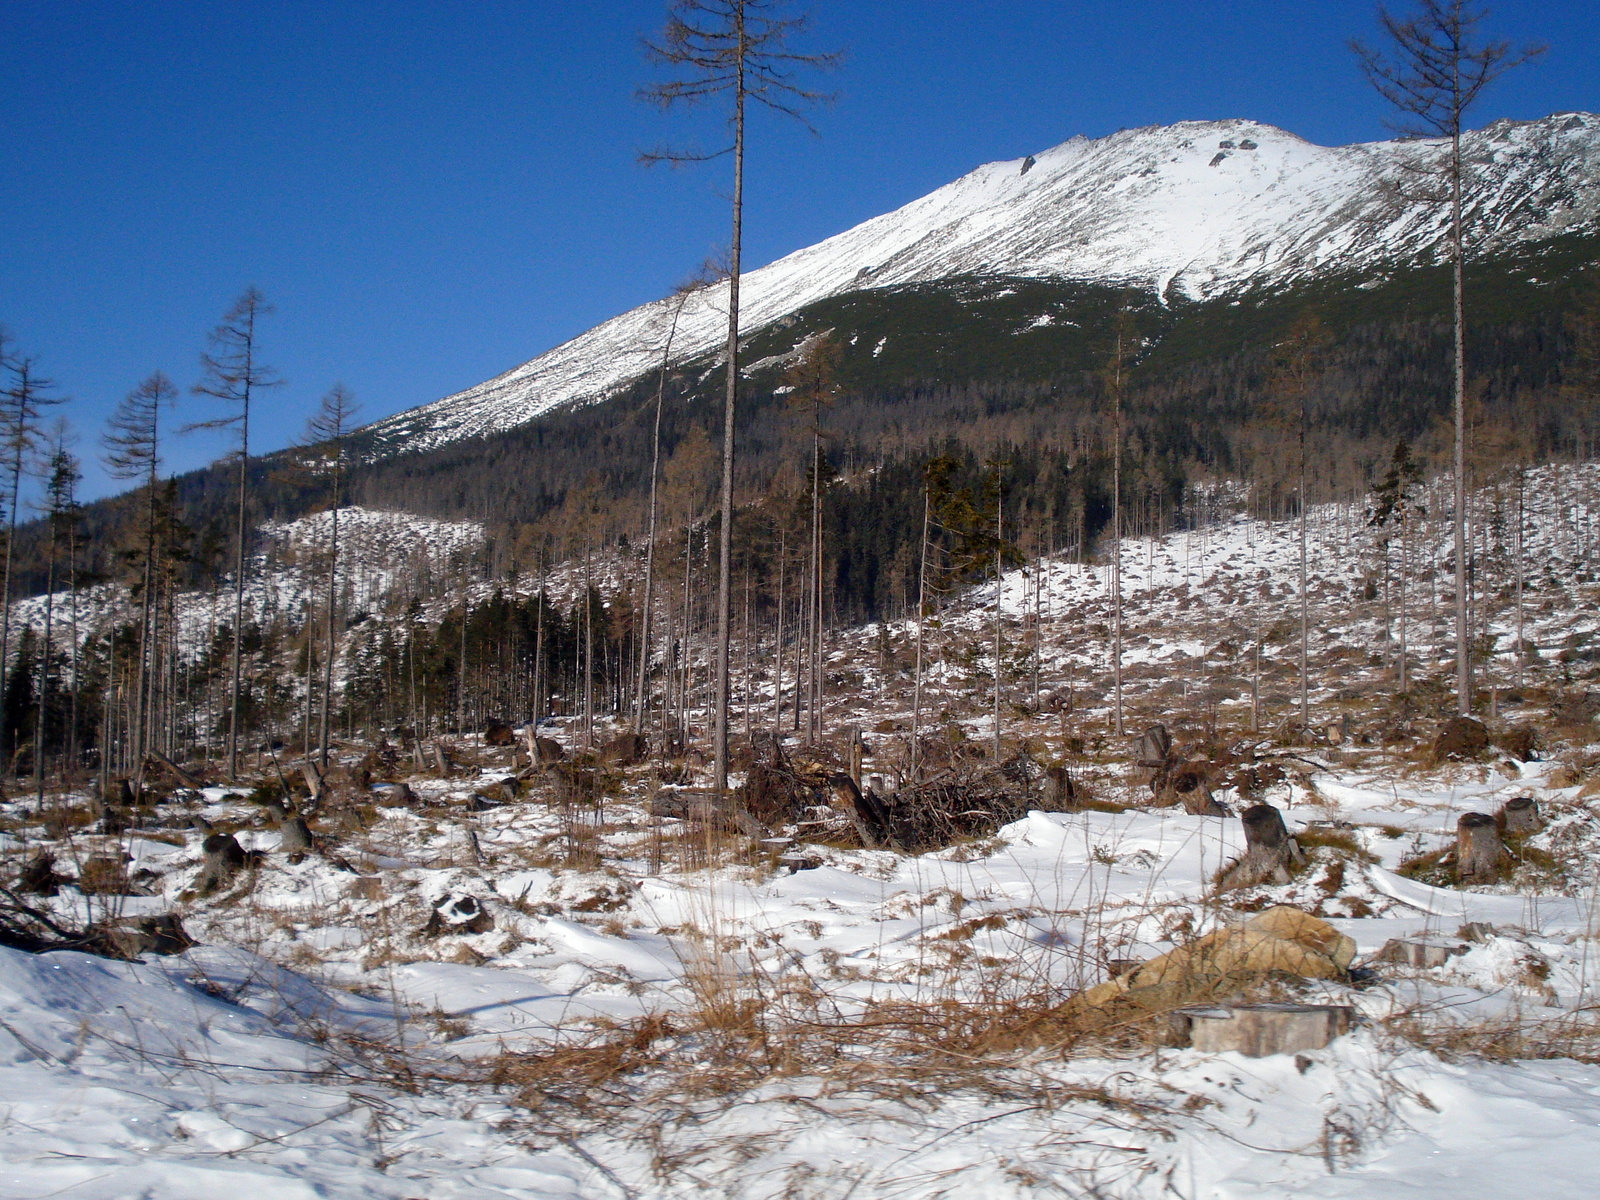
(1281,940)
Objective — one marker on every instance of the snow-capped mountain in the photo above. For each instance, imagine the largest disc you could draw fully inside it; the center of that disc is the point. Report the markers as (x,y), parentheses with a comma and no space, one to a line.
(1191,210)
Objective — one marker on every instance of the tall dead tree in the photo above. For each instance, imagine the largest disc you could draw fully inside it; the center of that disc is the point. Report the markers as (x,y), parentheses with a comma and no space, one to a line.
(327,436)
(733,51)
(132,443)
(61,509)
(1298,359)
(1121,351)
(233,375)
(1434,66)
(23,402)
(814,378)
(680,297)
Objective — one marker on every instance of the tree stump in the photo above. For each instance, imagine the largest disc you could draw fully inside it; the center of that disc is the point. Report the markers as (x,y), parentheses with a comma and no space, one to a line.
(1258,1030)
(39,876)
(1519,817)
(1061,792)
(1422,953)
(1479,850)
(1269,850)
(224,857)
(1189,784)
(1153,746)
(296,838)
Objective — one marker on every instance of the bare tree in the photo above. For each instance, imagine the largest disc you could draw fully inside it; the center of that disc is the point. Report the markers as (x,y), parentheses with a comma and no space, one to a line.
(814,378)
(1121,351)
(22,405)
(132,443)
(61,510)
(327,437)
(1299,358)
(680,297)
(233,375)
(735,51)
(1435,67)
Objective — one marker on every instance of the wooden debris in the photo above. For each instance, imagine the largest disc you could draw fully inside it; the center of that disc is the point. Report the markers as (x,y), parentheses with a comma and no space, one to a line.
(1422,953)
(1269,850)
(1259,1030)
(1519,817)
(1479,850)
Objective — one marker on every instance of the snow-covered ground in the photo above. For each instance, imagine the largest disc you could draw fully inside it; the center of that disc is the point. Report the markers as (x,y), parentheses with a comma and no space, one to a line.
(330,1037)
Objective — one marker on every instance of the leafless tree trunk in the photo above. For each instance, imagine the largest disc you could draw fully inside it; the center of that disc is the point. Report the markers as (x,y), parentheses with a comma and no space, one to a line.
(736,49)
(21,405)
(233,375)
(1435,69)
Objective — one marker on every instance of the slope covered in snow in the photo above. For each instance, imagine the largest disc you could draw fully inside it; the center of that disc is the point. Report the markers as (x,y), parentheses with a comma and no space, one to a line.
(1192,210)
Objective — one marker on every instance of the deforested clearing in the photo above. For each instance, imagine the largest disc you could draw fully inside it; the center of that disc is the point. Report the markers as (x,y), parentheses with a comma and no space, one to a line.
(497,973)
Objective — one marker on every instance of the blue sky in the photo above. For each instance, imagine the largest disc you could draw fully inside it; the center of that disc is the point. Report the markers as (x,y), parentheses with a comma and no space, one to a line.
(432,193)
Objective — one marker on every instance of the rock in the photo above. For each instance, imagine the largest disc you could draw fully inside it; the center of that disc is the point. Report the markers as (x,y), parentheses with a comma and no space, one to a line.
(1519,817)
(1283,939)
(458,916)
(1460,738)
(1478,848)
(1259,1030)
(1422,953)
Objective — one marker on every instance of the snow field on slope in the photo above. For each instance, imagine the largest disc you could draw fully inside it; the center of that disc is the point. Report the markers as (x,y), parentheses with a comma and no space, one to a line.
(1042,905)
(1163,207)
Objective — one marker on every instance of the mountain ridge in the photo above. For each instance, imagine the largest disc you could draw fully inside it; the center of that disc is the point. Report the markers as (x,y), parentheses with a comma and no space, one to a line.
(1192,210)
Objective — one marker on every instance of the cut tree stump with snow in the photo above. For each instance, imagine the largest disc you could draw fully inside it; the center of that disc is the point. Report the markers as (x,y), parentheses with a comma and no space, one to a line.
(1519,817)
(1422,953)
(1269,850)
(296,838)
(1479,850)
(1258,1030)
(224,857)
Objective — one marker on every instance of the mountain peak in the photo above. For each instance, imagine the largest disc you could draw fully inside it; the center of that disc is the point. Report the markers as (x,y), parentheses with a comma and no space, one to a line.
(1193,210)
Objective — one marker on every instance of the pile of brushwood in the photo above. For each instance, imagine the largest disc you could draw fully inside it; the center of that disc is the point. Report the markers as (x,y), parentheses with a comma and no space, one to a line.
(964,799)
